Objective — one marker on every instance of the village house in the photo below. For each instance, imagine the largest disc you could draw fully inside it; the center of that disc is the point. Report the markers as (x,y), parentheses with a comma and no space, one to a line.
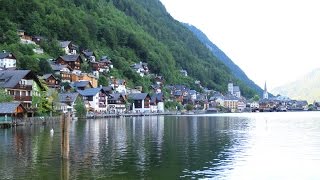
(81,85)
(141,68)
(254,106)
(119,85)
(95,99)
(231,103)
(12,110)
(141,102)
(89,56)
(157,103)
(62,70)
(201,102)
(51,81)
(108,89)
(85,77)
(37,39)
(106,61)
(295,105)
(74,61)
(68,101)
(25,38)
(156,88)
(7,60)
(241,106)
(116,103)
(68,48)
(266,105)
(159,80)
(24,86)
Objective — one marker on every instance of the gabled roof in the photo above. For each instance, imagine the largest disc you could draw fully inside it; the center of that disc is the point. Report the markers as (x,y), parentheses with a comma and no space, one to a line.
(64,44)
(9,107)
(10,78)
(6,54)
(46,76)
(68,97)
(138,96)
(79,84)
(191,92)
(90,91)
(70,58)
(59,67)
(156,98)
(88,53)
(105,58)
(107,88)
(115,96)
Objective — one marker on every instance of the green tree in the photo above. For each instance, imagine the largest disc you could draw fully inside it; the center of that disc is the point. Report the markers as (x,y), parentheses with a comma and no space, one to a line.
(255,98)
(4,96)
(80,108)
(8,32)
(44,67)
(103,81)
(85,67)
(189,107)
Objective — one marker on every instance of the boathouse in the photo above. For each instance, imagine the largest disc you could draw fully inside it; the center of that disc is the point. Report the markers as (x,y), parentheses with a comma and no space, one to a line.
(12,110)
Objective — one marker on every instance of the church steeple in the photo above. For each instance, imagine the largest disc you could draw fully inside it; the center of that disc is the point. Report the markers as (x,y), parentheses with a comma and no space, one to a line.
(265,92)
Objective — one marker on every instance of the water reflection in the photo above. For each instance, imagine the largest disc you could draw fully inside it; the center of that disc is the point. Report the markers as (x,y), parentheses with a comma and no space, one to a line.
(172,147)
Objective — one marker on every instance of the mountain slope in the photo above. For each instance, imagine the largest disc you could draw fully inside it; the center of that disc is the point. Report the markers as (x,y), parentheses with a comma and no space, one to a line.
(126,30)
(306,88)
(235,69)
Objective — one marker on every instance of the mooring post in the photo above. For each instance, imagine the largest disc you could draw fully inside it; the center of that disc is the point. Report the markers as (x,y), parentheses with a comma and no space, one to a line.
(65,125)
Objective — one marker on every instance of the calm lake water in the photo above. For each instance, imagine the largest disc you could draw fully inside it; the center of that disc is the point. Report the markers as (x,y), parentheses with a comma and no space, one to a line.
(227,146)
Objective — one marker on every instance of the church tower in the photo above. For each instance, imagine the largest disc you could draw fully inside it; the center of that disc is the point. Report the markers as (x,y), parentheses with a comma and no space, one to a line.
(230,88)
(265,92)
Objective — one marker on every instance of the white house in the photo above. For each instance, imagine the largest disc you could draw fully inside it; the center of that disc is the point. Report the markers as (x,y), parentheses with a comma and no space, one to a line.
(141,102)
(7,60)
(241,106)
(68,47)
(95,99)
(254,105)
(67,101)
(141,68)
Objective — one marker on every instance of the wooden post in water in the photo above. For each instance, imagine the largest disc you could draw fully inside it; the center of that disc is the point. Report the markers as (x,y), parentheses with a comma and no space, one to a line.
(65,125)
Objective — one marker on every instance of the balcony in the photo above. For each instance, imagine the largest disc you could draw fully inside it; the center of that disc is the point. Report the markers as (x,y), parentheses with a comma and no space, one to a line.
(24,87)
(23,98)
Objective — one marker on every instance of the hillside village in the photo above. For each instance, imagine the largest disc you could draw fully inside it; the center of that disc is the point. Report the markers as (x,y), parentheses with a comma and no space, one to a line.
(69,82)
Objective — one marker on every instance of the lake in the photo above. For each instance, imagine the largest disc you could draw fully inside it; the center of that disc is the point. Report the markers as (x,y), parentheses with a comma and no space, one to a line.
(217,146)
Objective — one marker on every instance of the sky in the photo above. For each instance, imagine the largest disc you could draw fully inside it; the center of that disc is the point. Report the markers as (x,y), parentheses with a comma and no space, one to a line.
(273,41)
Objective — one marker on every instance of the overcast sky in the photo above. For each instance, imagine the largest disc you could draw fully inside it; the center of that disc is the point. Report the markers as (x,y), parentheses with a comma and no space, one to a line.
(271,40)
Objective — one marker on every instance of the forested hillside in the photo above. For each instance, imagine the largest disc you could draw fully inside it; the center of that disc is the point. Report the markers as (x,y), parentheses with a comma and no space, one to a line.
(127,31)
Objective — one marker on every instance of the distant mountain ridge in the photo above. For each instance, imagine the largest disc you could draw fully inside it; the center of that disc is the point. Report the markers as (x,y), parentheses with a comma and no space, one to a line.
(235,69)
(305,88)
